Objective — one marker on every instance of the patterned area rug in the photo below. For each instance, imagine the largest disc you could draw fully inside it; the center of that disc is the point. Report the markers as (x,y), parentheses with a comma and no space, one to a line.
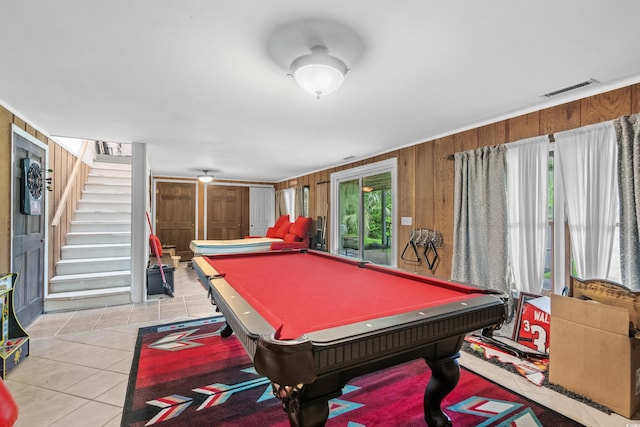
(185,374)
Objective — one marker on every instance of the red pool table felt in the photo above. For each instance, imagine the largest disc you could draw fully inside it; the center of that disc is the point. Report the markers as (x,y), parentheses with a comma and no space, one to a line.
(304,292)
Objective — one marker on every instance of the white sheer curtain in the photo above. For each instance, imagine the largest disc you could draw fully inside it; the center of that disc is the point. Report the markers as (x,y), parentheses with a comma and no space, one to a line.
(289,196)
(587,160)
(527,200)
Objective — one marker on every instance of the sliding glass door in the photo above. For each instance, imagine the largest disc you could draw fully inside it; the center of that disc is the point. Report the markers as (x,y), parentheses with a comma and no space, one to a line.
(363,211)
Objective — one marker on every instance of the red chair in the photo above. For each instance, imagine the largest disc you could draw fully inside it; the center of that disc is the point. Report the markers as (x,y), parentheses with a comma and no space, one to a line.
(298,236)
(279,229)
(8,407)
(294,235)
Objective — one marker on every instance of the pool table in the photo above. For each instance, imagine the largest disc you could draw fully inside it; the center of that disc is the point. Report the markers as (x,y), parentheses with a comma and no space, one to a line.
(312,321)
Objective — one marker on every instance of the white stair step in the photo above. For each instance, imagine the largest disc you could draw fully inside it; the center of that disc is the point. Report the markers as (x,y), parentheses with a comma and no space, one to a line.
(92,265)
(98,237)
(106,188)
(82,300)
(97,164)
(100,225)
(108,180)
(95,251)
(104,205)
(96,214)
(123,195)
(110,173)
(89,281)
(113,161)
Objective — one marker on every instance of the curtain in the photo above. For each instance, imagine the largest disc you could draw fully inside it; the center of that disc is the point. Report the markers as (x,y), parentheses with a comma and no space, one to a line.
(587,161)
(299,202)
(527,200)
(281,207)
(628,138)
(480,218)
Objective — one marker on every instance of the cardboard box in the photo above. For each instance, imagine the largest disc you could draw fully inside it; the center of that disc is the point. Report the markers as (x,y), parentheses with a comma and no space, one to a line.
(609,293)
(592,354)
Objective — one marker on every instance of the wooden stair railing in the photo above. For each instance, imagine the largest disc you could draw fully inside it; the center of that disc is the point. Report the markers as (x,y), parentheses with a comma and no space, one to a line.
(69,187)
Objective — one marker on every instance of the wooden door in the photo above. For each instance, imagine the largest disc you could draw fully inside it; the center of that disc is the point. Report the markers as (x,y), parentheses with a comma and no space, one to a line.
(176,216)
(227,212)
(28,232)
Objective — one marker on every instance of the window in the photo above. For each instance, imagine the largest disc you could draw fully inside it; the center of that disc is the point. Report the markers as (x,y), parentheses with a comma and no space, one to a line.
(548,259)
(558,262)
(305,200)
(289,195)
(296,201)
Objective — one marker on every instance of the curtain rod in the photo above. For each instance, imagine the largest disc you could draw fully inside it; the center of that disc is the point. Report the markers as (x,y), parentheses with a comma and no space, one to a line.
(551,139)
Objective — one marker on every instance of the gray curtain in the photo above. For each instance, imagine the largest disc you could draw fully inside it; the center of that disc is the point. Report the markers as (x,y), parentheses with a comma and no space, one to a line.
(281,208)
(628,136)
(299,202)
(480,253)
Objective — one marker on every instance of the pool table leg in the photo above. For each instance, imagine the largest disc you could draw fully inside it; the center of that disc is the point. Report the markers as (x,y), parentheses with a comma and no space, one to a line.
(445,374)
(226,331)
(312,415)
(308,414)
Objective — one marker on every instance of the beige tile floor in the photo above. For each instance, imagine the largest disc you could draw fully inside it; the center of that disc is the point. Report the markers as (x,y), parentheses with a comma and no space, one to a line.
(76,374)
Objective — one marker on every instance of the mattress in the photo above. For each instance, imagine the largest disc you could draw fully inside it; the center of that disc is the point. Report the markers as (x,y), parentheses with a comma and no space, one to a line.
(216,247)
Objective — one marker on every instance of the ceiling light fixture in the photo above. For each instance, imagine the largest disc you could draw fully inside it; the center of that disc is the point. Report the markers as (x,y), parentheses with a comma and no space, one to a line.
(205,178)
(318,72)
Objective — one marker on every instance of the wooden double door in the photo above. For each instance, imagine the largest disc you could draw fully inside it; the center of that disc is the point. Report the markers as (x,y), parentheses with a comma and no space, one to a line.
(226,214)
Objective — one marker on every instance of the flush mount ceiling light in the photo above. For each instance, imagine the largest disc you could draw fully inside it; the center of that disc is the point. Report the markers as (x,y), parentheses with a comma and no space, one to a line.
(205,178)
(318,72)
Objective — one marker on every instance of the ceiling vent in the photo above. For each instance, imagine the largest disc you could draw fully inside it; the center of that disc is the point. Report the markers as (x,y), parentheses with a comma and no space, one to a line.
(570,88)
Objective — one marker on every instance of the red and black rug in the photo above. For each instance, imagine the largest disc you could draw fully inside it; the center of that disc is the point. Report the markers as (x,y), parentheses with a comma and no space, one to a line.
(185,374)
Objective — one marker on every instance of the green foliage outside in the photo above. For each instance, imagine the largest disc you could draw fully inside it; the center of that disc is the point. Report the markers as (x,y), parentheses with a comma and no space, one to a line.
(377,227)
(377,231)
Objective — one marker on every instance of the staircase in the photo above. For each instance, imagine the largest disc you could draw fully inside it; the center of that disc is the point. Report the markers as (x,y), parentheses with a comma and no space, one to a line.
(95,264)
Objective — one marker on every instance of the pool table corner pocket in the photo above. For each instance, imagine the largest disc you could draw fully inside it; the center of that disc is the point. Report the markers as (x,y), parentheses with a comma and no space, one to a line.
(286,362)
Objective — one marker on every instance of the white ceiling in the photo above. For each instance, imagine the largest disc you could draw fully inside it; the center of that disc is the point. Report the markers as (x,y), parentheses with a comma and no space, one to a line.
(204,83)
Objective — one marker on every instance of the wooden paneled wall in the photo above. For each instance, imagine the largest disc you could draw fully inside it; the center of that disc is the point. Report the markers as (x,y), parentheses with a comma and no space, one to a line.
(426,173)
(61,161)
